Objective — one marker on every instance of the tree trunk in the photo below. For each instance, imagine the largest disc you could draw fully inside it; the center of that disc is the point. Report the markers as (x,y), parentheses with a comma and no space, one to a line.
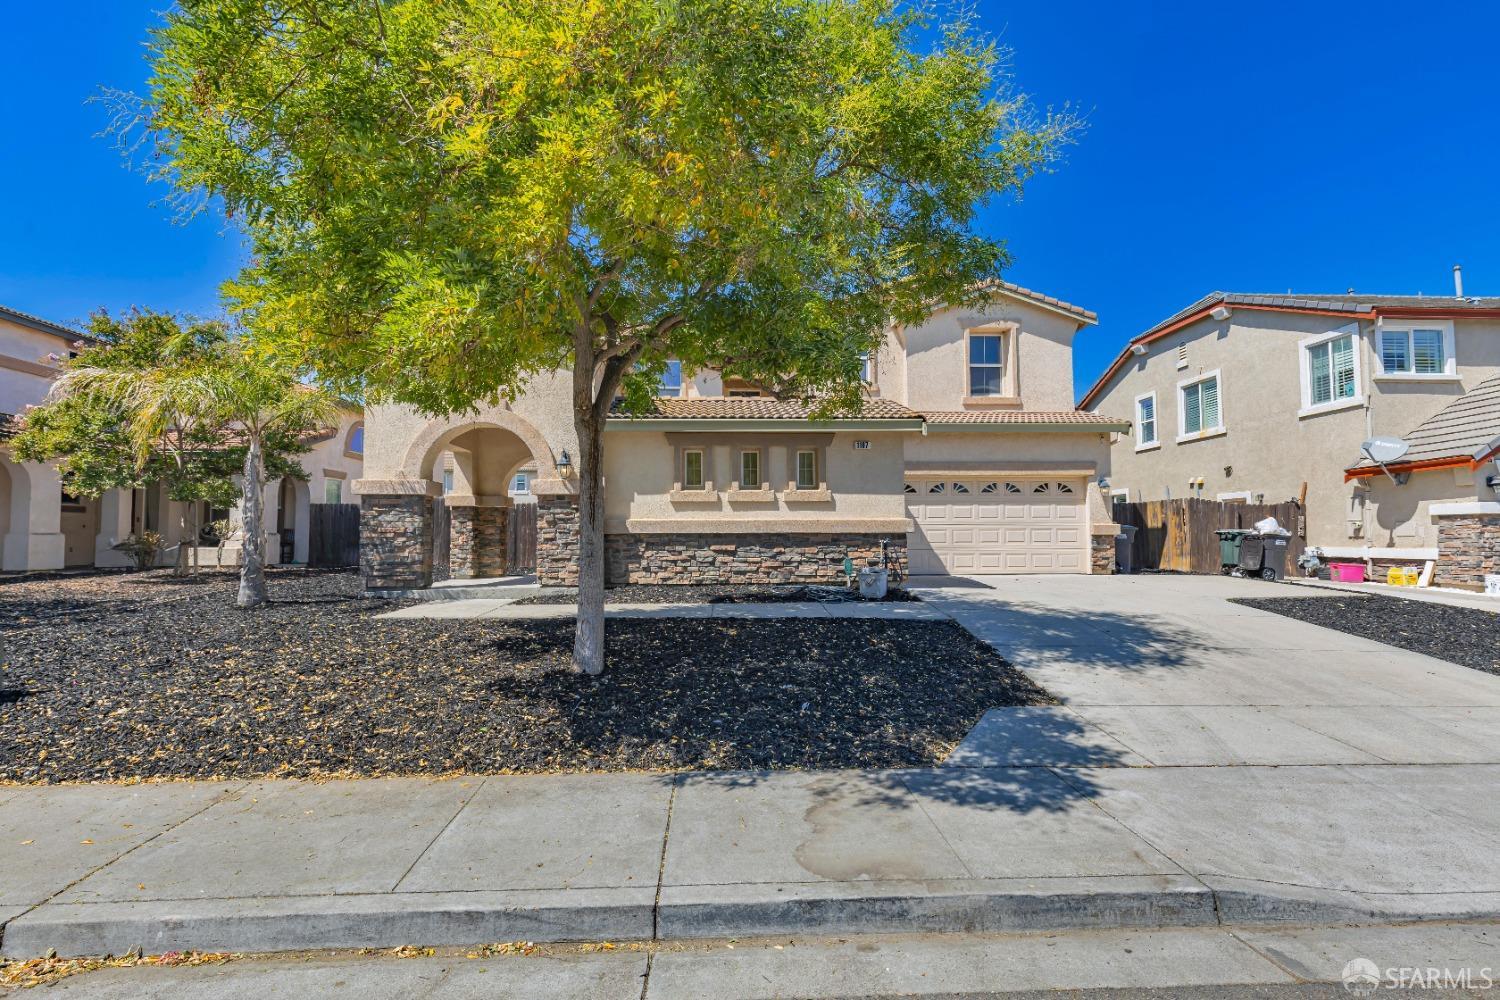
(253,541)
(588,641)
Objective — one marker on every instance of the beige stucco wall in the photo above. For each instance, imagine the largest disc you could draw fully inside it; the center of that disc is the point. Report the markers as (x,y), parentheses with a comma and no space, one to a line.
(1400,516)
(864,485)
(935,372)
(404,444)
(1268,447)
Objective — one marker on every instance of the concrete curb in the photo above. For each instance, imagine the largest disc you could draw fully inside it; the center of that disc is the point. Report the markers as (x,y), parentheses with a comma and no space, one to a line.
(956,906)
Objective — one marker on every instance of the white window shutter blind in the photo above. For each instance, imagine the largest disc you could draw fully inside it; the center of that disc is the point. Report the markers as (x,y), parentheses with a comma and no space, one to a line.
(1211,403)
(1343,368)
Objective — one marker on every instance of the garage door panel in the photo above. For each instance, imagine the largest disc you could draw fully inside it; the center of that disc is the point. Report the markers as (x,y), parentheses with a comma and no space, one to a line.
(998,527)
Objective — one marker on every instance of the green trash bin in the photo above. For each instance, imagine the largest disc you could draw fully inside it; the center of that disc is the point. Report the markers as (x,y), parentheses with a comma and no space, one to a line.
(1230,541)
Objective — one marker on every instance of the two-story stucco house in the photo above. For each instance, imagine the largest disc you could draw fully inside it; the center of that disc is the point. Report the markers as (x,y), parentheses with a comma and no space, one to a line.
(968,456)
(1265,397)
(44,528)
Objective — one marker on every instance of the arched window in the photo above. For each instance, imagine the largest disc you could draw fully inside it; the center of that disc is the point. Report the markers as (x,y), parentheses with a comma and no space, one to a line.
(1012,488)
(354,443)
(1042,488)
(960,488)
(1064,488)
(938,488)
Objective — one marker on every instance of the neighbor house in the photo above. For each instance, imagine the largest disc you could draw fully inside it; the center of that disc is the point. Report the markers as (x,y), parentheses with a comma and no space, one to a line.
(967,456)
(44,528)
(1266,398)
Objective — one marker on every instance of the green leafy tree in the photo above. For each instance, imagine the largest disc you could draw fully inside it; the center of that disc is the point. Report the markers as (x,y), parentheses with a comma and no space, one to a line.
(447,197)
(150,400)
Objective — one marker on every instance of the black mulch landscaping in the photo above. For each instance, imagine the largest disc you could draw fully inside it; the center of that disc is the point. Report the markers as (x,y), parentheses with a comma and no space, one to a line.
(143,676)
(641,593)
(1466,636)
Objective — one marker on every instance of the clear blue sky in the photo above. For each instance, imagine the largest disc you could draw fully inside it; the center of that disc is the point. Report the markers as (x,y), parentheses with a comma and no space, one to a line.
(1249,147)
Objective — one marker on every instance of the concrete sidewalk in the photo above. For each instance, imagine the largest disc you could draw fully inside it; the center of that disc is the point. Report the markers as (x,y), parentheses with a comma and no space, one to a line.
(507,610)
(269,865)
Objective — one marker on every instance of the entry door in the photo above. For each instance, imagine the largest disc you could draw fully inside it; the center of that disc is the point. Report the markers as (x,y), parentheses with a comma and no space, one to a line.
(974,527)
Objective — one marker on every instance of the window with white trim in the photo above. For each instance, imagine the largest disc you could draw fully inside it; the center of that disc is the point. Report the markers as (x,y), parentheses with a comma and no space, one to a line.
(521,484)
(1332,375)
(986,369)
(749,470)
(1145,420)
(1199,412)
(671,380)
(807,470)
(867,368)
(1416,351)
(692,469)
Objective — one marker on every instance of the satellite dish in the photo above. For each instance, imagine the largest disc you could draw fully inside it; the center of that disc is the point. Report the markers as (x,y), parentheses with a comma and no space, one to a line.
(1385,450)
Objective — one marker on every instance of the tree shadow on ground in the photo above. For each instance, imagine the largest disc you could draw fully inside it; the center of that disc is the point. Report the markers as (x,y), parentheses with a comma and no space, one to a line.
(1032,634)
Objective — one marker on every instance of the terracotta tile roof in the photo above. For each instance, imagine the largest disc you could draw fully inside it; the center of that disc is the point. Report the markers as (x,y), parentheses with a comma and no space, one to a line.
(1047,300)
(763,408)
(1023,417)
(1468,428)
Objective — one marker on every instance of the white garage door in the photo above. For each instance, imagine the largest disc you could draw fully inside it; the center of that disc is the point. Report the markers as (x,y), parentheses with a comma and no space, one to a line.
(980,526)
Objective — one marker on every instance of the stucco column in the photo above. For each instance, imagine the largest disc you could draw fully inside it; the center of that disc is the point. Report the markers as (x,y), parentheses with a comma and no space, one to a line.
(114,528)
(477,537)
(34,538)
(395,532)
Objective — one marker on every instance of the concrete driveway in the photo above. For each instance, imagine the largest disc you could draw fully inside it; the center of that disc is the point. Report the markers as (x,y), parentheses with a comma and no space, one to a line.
(1165,671)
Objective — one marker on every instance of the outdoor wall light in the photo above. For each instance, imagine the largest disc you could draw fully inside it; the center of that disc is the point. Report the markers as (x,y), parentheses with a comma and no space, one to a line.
(564,464)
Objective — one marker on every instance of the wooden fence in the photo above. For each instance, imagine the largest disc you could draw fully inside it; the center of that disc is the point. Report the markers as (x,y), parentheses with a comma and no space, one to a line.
(520,539)
(441,537)
(333,534)
(1178,535)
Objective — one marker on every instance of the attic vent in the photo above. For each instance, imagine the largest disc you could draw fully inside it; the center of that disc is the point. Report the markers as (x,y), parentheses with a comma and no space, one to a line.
(1182,354)
(861,445)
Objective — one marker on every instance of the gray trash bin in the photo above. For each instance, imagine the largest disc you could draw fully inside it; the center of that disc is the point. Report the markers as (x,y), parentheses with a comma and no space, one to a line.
(1273,557)
(1125,548)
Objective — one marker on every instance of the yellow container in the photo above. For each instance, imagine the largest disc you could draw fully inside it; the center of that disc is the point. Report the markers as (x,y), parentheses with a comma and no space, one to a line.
(1403,576)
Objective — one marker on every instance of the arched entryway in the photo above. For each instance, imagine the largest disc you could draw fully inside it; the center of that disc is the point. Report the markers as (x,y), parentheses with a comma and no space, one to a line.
(469,465)
(293,520)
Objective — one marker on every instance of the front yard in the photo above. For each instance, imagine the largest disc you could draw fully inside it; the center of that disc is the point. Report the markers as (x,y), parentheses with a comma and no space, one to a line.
(123,677)
(1469,637)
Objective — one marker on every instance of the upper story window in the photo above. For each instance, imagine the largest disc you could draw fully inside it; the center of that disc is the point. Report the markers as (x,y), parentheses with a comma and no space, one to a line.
(1199,411)
(354,444)
(1145,420)
(671,379)
(986,368)
(1332,370)
(1418,350)
(867,368)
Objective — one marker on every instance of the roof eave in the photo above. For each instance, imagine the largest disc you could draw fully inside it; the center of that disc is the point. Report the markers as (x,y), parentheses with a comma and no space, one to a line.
(1022,428)
(725,424)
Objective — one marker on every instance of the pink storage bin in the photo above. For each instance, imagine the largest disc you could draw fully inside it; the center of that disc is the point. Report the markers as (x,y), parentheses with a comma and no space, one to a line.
(1347,572)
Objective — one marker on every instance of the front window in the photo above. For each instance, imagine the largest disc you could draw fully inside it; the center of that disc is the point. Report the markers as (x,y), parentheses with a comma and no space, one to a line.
(1331,375)
(1145,420)
(807,470)
(333,491)
(1200,406)
(447,481)
(985,370)
(749,470)
(1414,351)
(692,470)
(671,379)
(521,484)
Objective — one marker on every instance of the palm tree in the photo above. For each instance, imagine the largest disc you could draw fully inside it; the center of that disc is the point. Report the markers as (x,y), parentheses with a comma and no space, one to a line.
(227,392)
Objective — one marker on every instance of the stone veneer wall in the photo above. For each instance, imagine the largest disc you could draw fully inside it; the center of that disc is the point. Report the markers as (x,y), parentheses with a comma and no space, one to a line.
(737,558)
(476,547)
(395,542)
(557,541)
(1102,553)
(1468,549)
